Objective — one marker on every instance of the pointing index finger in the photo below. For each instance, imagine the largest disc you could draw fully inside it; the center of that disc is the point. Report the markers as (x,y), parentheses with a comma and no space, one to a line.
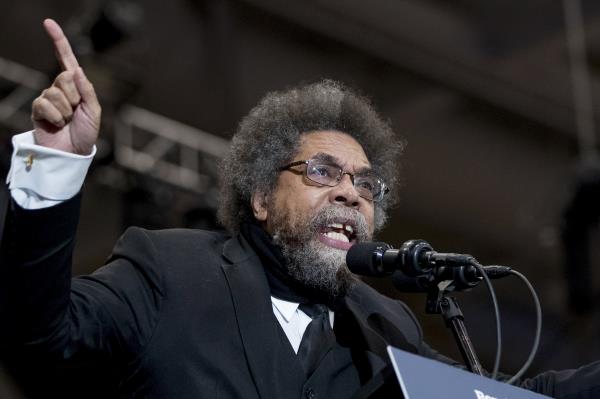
(64,53)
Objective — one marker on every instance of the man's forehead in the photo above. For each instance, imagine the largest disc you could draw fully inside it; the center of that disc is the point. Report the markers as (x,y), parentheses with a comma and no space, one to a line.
(333,160)
(335,147)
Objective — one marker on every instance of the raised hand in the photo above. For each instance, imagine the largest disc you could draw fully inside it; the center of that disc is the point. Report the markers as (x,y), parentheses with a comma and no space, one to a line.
(66,116)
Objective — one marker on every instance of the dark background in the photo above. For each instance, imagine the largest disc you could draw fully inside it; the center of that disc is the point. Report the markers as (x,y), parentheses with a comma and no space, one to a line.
(481,91)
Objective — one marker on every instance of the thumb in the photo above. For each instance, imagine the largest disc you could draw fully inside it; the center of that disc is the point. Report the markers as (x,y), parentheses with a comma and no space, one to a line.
(88,94)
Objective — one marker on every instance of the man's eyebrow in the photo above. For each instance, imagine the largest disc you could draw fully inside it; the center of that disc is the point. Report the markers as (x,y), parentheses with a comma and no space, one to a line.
(330,159)
(365,170)
(324,157)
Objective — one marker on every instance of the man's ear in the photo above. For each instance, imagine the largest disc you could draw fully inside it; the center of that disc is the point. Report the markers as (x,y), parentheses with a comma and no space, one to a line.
(259,206)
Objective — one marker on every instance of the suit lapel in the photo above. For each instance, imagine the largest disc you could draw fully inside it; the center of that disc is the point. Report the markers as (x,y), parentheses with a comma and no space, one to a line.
(271,370)
(379,321)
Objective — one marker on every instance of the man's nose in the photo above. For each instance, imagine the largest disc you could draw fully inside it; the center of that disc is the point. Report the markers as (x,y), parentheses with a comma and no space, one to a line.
(345,193)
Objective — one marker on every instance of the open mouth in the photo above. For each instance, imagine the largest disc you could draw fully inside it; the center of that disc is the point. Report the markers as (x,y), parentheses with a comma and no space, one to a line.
(338,235)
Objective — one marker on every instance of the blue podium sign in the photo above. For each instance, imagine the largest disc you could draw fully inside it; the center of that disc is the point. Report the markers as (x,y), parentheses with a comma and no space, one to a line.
(422,378)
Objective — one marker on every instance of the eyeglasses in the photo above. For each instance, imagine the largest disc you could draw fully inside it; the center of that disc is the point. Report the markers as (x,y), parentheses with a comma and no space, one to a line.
(368,185)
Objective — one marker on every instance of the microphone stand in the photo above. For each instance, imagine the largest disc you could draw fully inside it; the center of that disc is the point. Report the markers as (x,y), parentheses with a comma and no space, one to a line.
(439,303)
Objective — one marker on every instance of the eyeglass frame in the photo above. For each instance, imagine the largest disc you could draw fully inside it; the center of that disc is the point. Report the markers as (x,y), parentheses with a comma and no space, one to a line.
(384,188)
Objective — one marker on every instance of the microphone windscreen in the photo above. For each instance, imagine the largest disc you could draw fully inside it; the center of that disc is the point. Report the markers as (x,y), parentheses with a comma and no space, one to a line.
(360,258)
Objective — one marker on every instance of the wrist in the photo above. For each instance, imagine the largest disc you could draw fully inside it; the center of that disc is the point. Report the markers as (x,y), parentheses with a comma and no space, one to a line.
(61,143)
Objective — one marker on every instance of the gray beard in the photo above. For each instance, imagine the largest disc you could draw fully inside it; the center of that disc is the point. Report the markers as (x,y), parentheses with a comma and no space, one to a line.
(309,261)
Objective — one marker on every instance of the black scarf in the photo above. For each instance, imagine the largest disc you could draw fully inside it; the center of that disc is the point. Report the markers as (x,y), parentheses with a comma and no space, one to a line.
(281,285)
(284,287)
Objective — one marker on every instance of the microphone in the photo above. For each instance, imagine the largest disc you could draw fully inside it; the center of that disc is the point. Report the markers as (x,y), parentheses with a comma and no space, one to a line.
(414,258)
(416,267)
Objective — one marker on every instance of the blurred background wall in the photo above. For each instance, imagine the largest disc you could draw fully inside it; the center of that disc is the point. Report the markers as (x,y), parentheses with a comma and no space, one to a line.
(481,91)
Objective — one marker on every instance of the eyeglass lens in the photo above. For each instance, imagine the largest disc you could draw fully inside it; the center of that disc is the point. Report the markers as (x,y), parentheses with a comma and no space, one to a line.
(368,186)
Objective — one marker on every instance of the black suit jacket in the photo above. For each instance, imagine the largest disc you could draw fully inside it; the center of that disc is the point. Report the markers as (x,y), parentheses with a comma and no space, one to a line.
(184,314)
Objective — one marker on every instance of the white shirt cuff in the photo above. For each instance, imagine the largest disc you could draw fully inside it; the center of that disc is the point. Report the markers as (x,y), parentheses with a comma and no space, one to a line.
(40,177)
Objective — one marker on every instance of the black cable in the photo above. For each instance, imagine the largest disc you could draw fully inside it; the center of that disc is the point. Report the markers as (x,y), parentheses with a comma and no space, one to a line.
(538,331)
(490,288)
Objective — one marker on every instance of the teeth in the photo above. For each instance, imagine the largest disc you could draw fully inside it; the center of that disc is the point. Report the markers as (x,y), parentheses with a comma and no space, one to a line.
(337,236)
(340,226)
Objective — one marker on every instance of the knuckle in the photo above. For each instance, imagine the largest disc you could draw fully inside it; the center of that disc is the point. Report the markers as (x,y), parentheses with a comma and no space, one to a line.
(58,98)
(52,93)
(39,106)
(37,102)
(63,78)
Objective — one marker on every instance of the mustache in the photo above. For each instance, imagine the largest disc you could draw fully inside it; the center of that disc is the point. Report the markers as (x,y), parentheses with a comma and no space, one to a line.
(339,214)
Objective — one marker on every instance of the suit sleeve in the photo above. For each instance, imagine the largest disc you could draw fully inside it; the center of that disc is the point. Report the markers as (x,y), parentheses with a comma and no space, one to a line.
(42,310)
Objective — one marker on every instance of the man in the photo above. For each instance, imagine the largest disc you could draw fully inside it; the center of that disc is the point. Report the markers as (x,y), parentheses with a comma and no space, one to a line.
(188,314)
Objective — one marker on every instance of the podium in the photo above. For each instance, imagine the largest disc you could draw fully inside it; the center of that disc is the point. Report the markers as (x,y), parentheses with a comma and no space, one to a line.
(416,377)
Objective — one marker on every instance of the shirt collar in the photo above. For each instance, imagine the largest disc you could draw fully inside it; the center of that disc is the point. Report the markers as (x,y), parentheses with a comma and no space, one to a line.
(286,308)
